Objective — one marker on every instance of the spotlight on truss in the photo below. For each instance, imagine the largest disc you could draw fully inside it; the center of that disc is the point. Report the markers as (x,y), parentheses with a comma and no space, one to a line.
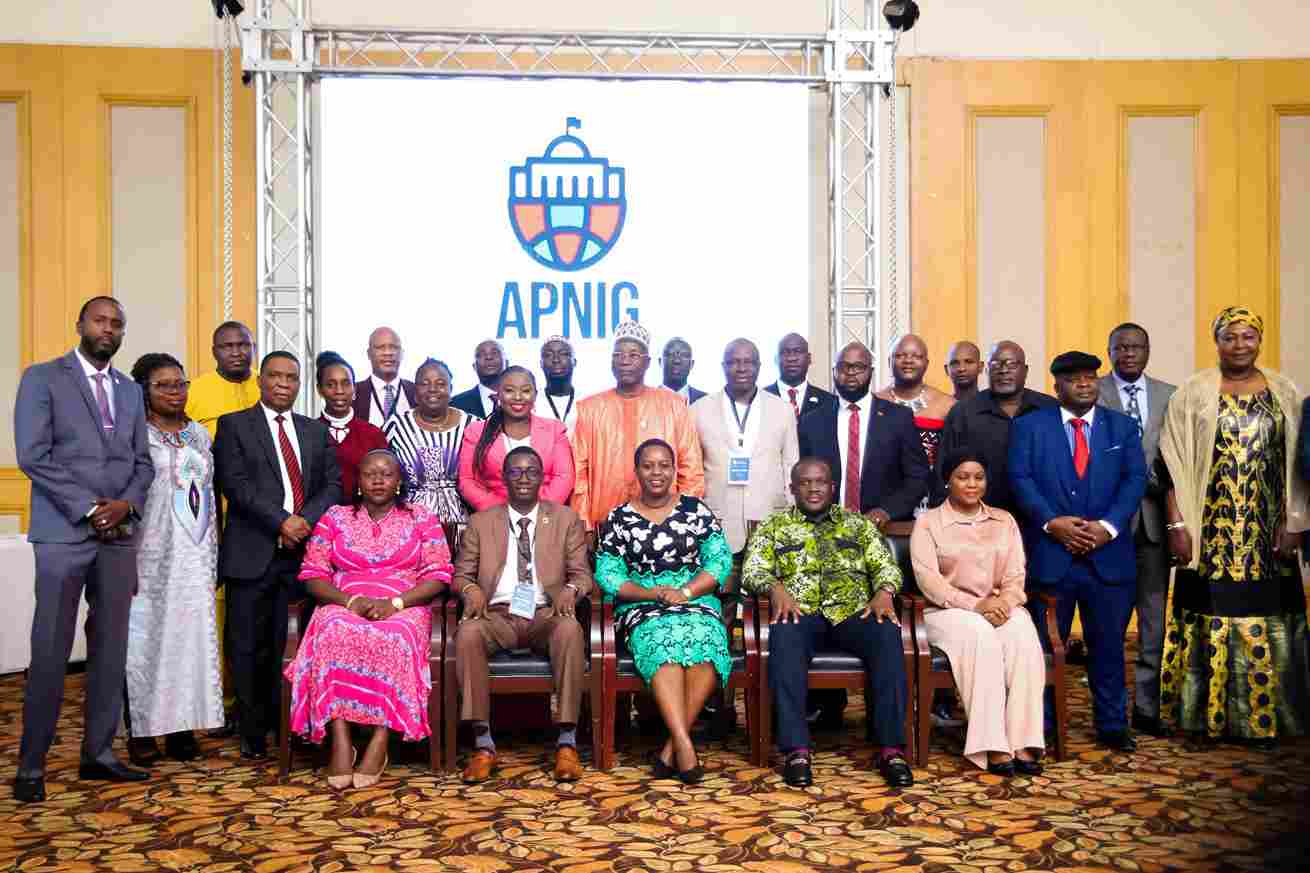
(232,8)
(900,14)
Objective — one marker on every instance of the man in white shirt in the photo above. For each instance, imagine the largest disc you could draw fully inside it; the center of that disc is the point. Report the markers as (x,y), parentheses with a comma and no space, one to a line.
(558,399)
(489,361)
(521,568)
(1129,390)
(383,394)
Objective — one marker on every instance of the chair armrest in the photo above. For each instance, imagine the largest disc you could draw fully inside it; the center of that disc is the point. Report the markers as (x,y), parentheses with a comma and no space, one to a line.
(437,639)
(295,610)
(898,529)
(911,620)
(608,643)
(750,622)
(1050,601)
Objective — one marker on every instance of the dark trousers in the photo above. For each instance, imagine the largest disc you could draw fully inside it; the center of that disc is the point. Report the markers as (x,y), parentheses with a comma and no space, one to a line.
(255,637)
(877,644)
(107,572)
(1152,595)
(1106,608)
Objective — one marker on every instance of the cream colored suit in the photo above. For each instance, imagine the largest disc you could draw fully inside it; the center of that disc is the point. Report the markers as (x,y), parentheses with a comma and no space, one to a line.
(774,451)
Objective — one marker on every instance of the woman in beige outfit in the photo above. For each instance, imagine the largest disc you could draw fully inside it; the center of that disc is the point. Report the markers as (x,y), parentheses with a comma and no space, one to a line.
(969,565)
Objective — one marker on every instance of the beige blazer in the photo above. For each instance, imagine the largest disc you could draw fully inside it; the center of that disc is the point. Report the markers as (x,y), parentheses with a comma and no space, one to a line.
(773,454)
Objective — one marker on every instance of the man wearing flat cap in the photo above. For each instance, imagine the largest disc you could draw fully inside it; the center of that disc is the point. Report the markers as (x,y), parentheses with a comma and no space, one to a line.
(613,423)
(1078,475)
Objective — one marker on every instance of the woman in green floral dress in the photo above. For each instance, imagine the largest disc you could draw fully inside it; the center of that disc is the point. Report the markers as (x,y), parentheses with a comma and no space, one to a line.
(663,556)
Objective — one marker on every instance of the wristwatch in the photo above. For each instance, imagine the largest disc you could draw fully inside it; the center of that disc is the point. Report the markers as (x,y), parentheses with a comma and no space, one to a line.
(398,603)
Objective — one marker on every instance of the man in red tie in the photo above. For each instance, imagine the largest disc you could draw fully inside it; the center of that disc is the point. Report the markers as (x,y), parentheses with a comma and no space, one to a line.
(793,384)
(1078,475)
(279,473)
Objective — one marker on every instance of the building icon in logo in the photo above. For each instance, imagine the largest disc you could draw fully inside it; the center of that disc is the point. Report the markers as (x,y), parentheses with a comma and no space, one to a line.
(565,206)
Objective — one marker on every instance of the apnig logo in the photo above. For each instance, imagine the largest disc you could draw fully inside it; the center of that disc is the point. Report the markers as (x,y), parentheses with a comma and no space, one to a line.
(567,207)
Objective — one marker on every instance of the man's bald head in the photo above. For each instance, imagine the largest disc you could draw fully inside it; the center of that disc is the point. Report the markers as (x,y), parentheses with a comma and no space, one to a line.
(963,366)
(909,362)
(1007,369)
(385,353)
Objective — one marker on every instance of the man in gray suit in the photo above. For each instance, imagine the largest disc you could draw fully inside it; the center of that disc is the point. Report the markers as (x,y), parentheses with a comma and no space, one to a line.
(80,432)
(1128,389)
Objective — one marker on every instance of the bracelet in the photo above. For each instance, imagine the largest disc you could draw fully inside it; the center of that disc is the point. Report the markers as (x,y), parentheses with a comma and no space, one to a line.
(351,601)
(467,587)
(1176,525)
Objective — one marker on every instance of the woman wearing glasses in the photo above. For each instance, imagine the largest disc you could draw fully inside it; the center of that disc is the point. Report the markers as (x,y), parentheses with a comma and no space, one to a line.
(173,681)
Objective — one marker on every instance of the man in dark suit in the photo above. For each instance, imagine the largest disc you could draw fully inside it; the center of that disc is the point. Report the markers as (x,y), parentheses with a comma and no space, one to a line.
(871,444)
(80,435)
(1129,390)
(488,363)
(676,361)
(794,361)
(384,393)
(1079,475)
(279,474)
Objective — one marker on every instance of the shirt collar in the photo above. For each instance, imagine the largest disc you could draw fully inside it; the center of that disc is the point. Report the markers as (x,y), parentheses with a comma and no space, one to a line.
(950,515)
(833,515)
(514,517)
(1066,416)
(1120,383)
(89,368)
(339,422)
(865,403)
(486,394)
(801,390)
(1026,403)
(270,414)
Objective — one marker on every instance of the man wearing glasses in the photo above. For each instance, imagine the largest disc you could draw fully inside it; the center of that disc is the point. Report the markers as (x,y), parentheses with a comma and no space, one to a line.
(613,423)
(983,422)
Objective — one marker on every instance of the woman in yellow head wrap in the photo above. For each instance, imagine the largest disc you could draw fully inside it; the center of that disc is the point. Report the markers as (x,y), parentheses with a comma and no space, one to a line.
(1235,657)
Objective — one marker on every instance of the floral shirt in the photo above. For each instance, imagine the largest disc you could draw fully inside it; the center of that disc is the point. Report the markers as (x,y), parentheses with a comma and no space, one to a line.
(832,566)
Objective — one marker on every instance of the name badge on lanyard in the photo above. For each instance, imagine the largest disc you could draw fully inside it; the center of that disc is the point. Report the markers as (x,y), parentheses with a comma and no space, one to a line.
(739,459)
(524,602)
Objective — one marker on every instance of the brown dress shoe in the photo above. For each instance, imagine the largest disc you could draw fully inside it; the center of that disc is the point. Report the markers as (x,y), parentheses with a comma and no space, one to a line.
(568,766)
(480,766)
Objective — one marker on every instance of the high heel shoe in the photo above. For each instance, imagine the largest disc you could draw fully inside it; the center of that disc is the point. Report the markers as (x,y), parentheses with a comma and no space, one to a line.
(660,770)
(343,780)
(693,774)
(368,780)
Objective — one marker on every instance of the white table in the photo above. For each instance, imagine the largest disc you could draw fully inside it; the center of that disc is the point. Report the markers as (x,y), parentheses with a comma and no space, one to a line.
(18,570)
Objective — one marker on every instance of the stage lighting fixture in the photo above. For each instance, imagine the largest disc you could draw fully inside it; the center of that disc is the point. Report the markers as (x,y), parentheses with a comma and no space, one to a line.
(230,7)
(900,14)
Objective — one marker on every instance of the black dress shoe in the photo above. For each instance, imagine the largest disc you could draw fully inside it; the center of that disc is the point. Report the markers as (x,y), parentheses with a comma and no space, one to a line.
(797,772)
(896,770)
(660,770)
(142,751)
(1001,768)
(1149,725)
(182,746)
(692,776)
(29,790)
(115,772)
(1027,768)
(254,748)
(1119,741)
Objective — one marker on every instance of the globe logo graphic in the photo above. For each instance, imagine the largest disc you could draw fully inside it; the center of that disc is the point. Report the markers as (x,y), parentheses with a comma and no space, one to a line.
(565,206)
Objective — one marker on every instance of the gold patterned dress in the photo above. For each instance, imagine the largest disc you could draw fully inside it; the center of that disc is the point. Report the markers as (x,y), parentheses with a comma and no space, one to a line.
(1235,657)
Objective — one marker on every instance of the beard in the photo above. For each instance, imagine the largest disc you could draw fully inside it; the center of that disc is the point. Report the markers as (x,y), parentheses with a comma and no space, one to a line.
(852,396)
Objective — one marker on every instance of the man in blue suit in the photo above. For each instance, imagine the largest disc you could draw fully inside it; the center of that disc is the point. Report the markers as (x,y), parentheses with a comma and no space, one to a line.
(1079,474)
(80,432)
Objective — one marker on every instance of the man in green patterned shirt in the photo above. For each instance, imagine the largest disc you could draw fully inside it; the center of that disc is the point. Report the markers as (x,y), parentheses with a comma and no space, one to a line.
(831,578)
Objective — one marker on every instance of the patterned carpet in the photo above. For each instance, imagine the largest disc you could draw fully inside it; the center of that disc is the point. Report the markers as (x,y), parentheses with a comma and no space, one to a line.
(1164,808)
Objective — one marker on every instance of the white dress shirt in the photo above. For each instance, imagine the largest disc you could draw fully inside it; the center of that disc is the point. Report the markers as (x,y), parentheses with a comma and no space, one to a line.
(487,394)
(1120,384)
(288,499)
(784,391)
(509,577)
(557,405)
(377,410)
(865,404)
(746,413)
(91,372)
(1089,416)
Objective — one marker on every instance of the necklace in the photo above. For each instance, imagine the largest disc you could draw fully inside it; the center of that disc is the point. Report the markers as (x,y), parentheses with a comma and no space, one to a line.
(444,424)
(917,403)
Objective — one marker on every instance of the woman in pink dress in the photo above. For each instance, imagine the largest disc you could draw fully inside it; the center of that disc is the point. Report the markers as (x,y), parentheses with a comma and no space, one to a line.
(373,567)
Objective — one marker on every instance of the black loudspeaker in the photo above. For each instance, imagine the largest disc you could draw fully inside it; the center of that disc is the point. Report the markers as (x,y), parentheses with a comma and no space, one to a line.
(900,14)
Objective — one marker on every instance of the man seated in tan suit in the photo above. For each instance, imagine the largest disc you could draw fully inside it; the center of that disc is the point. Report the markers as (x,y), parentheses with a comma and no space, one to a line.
(520,571)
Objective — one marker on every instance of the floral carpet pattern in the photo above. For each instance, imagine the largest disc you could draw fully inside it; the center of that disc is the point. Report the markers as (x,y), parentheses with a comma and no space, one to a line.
(1165,808)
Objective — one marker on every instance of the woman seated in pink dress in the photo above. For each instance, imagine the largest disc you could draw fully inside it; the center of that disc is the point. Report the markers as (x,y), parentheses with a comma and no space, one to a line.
(510,425)
(373,567)
(969,565)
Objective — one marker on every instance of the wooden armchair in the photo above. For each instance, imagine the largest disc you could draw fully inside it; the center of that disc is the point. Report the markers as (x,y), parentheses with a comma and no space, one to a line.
(621,677)
(521,671)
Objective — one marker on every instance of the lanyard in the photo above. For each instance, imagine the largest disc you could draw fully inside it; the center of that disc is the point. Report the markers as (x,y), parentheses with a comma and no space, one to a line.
(741,420)
(562,418)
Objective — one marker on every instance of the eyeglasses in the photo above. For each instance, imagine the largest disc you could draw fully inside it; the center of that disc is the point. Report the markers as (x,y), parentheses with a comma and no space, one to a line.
(856,369)
(627,357)
(171,387)
(528,474)
(1004,366)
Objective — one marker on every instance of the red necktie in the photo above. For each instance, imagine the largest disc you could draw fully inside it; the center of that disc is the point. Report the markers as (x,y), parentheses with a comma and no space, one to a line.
(1080,452)
(293,466)
(852,491)
(791,395)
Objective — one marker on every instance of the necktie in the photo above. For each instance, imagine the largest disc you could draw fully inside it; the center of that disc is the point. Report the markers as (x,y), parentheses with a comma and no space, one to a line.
(102,400)
(1135,408)
(1080,452)
(525,552)
(293,466)
(852,490)
(390,408)
(791,395)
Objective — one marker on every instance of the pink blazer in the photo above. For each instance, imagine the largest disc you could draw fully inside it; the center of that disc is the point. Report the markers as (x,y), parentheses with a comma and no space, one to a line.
(549,439)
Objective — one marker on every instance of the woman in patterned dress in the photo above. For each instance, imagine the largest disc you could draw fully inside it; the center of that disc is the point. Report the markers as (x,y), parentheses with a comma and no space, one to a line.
(663,556)
(373,567)
(1235,660)
(173,681)
(427,440)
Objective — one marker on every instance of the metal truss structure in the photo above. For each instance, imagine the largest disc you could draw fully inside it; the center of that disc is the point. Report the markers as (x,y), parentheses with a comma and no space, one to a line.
(286,52)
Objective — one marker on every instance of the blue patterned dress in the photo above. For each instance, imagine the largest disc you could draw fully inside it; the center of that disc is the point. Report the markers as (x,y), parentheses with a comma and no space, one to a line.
(671,553)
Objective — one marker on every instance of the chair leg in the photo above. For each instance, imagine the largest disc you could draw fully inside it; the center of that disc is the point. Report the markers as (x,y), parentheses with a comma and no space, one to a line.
(436,725)
(607,732)
(765,725)
(284,741)
(1061,718)
(753,724)
(450,717)
(923,735)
